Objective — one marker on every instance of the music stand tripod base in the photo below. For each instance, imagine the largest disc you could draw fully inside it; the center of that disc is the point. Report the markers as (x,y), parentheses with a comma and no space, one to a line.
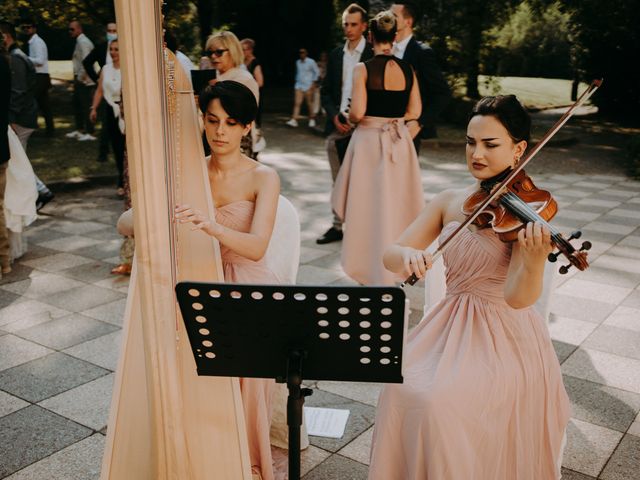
(291,333)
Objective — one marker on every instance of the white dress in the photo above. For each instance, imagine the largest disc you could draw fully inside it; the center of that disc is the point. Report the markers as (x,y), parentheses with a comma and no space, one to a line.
(19,197)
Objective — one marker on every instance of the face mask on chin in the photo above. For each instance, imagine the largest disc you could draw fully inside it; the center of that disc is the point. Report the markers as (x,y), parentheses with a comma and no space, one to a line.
(111,37)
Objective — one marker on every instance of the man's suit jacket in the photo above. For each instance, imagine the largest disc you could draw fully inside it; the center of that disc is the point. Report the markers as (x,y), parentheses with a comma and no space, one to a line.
(98,54)
(332,83)
(434,88)
(5,95)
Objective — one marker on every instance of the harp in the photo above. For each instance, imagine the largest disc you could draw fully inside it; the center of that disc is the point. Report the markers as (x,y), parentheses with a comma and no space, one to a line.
(165,421)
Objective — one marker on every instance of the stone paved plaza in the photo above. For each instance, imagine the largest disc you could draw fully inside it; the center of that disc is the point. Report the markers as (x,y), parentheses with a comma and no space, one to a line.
(61,316)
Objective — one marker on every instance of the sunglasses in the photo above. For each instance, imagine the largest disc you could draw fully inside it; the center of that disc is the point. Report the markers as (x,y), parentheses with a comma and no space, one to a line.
(217,53)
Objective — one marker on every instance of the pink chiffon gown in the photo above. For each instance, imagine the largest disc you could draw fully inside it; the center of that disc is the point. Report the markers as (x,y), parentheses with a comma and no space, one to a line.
(483,397)
(256,392)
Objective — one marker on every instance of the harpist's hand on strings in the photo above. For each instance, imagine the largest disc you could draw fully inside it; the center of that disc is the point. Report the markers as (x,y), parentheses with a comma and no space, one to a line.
(416,261)
(187,214)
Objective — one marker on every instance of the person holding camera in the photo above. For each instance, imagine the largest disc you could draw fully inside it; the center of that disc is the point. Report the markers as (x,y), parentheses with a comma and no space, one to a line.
(336,95)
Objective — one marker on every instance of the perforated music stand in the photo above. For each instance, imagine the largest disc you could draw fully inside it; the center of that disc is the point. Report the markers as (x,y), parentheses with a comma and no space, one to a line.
(350,334)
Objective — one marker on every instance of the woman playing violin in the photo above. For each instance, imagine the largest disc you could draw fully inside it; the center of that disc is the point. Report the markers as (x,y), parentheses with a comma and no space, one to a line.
(482,396)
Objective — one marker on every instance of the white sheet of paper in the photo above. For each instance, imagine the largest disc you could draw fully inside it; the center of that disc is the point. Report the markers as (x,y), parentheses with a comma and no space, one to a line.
(325,422)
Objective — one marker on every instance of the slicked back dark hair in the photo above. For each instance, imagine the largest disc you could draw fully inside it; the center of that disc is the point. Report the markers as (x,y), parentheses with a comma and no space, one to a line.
(509,112)
(236,99)
(411,10)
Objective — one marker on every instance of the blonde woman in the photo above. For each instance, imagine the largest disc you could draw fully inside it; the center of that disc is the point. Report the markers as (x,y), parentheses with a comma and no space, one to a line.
(224,51)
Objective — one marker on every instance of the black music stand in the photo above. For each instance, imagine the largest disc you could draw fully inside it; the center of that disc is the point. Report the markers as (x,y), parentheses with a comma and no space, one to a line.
(351,334)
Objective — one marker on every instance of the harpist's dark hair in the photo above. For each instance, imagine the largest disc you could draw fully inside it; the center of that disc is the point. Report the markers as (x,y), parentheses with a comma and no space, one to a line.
(509,112)
(236,99)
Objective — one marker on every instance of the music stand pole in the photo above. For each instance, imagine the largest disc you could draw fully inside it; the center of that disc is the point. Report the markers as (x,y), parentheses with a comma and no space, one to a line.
(295,403)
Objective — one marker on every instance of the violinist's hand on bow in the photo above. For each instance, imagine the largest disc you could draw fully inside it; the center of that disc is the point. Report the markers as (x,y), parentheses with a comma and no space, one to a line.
(416,261)
(187,214)
(535,243)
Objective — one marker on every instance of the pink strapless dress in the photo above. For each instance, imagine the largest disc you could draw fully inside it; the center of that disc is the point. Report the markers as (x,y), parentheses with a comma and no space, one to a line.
(483,397)
(256,392)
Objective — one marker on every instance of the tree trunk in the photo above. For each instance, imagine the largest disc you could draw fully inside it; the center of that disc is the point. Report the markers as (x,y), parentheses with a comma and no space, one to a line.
(472,47)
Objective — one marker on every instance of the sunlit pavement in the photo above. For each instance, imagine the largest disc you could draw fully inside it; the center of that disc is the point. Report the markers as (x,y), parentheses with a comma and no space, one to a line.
(61,316)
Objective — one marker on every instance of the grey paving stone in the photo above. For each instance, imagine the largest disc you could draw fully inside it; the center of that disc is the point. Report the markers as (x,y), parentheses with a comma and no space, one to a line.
(80,461)
(607,227)
(630,241)
(310,458)
(77,228)
(68,243)
(89,272)
(312,275)
(630,214)
(38,237)
(625,317)
(42,285)
(10,404)
(600,292)
(563,350)
(589,447)
(573,475)
(35,252)
(111,312)
(109,233)
(67,331)
(625,251)
(601,405)
(119,283)
(27,308)
(598,235)
(18,272)
(633,299)
(7,298)
(569,330)
(338,467)
(331,261)
(28,322)
(102,351)
(86,404)
(366,393)
(625,462)
(596,273)
(83,298)
(55,263)
(616,340)
(33,433)
(101,250)
(360,418)
(623,264)
(605,368)
(415,316)
(47,376)
(15,351)
(598,202)
(360,449)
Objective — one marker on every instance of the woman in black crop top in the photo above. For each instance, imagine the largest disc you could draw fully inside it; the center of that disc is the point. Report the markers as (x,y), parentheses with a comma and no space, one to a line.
(378,191)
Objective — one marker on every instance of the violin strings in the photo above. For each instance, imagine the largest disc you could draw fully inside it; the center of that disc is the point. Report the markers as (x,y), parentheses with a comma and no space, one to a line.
(525,210)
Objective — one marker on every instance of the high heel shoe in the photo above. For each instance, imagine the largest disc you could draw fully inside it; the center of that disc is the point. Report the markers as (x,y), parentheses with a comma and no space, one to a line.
(122,269)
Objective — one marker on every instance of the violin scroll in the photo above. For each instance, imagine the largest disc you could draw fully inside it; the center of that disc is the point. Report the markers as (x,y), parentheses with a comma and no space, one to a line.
(577,258)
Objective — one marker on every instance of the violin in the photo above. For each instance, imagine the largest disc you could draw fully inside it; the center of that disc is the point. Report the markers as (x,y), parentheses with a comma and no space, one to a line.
(520,203)
(510,200)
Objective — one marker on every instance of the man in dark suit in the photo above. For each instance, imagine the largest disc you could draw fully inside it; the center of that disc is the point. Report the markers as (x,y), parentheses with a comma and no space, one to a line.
(434,88)
(5,95)
(100,55)
(336,94)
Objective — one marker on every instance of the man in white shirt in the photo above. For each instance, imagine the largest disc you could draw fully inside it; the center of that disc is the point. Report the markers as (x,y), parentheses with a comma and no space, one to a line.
(39,56)
(336,95)
(307,73)
(83,85)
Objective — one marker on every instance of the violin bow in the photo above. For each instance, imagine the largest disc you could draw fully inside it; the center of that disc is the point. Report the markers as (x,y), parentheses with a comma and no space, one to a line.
(497,191)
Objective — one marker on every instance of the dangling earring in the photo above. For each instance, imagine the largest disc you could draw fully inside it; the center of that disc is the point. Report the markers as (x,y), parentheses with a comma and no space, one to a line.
(516,161)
